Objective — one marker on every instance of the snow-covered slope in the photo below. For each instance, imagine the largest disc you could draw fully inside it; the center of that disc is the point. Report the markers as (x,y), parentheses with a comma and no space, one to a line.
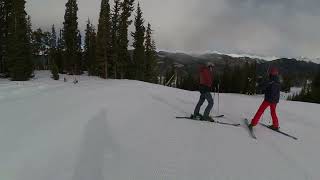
(112,129)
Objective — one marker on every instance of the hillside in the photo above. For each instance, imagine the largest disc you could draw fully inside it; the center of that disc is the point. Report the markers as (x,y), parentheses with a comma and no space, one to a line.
(189,63)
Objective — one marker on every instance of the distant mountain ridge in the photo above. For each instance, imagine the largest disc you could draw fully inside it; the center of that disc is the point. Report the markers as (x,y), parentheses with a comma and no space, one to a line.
(190,63)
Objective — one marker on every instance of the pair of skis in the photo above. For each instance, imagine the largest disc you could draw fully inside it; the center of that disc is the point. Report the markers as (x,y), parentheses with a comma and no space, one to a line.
(252,134)
(216,122)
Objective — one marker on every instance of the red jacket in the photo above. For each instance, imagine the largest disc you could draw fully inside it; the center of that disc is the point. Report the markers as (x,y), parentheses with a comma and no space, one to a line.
(205,76)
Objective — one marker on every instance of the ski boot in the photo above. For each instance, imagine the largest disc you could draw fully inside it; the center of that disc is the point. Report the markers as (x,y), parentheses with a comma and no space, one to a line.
(207,118)
(196,116)
(250,126)
(274,128)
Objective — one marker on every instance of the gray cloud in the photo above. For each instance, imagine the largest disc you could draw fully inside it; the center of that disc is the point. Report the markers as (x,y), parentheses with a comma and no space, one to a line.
(265,27)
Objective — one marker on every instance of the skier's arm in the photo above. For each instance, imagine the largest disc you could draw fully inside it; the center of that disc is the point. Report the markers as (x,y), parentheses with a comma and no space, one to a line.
(264,85)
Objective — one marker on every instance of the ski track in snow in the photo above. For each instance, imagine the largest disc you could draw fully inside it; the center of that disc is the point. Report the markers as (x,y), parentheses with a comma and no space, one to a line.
(299,168)
(110,129)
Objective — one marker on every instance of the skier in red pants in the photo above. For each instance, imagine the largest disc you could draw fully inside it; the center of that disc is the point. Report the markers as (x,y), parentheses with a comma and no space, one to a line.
(272,95)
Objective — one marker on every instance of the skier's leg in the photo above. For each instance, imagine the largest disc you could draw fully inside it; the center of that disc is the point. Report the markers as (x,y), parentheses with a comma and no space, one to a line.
(274,116)
(208,97)
(201,101)
(259,113)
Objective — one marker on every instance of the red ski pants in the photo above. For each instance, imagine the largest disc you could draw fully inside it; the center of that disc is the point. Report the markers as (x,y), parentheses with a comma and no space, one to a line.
(261,110)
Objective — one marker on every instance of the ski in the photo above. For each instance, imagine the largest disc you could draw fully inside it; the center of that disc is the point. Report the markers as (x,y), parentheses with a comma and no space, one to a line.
(219,116)
(279,131)
(246,121)
(217,122)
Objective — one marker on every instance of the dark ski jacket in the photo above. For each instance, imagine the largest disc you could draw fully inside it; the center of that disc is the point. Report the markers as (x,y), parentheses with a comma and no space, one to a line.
(271,89)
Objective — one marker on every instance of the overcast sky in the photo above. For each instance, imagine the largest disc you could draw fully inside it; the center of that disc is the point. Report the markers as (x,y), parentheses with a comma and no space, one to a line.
(264,27)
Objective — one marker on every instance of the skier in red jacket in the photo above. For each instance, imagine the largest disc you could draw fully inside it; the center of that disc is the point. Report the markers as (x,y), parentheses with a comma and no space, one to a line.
(206,79)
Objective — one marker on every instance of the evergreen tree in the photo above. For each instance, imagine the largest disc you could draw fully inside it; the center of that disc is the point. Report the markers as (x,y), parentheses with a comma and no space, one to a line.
(226,81)
(53,46)
(246,72)
(252,78)
(59,53)
(237,80)
(316,88)
(6,10)
(2,34)
(71,36)
(170,72)
(287,83)
(90,48)
(114,38)
(38,45)
(139,63)
(151,57)
(53,38)
(79,61)
(123,55)
(41,48)
(18,47)
(103,49)
(190,83)
(29,28)
(54,71)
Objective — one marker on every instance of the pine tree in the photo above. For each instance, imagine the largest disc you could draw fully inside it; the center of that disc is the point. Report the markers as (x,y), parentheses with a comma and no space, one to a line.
(226,81)
(59,53)
(2,34)
(53,38)
(170,74)
(237,80)
(79,61)
(53,46)
(190,83)
(139,63)
(18,47)
(90,48)
(29,28)
(123,54)
(7,9)
(287,83)
(316,88)
(71,35)
(114,39)
(151,57)
(54,71)
(252,78)
(103,49)
(37,42)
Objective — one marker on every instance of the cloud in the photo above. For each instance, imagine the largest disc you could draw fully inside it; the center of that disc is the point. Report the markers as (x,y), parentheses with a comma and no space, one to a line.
(265,27)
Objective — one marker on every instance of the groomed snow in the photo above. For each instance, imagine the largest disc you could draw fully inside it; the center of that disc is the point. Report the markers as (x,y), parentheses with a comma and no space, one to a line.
(121,129)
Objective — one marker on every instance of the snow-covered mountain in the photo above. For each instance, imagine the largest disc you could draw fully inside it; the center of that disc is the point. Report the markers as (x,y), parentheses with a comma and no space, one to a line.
(258,57)
(120,129)
(306,59)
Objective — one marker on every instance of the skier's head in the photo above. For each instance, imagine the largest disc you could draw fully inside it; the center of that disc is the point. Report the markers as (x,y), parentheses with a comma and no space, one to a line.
(210,65)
